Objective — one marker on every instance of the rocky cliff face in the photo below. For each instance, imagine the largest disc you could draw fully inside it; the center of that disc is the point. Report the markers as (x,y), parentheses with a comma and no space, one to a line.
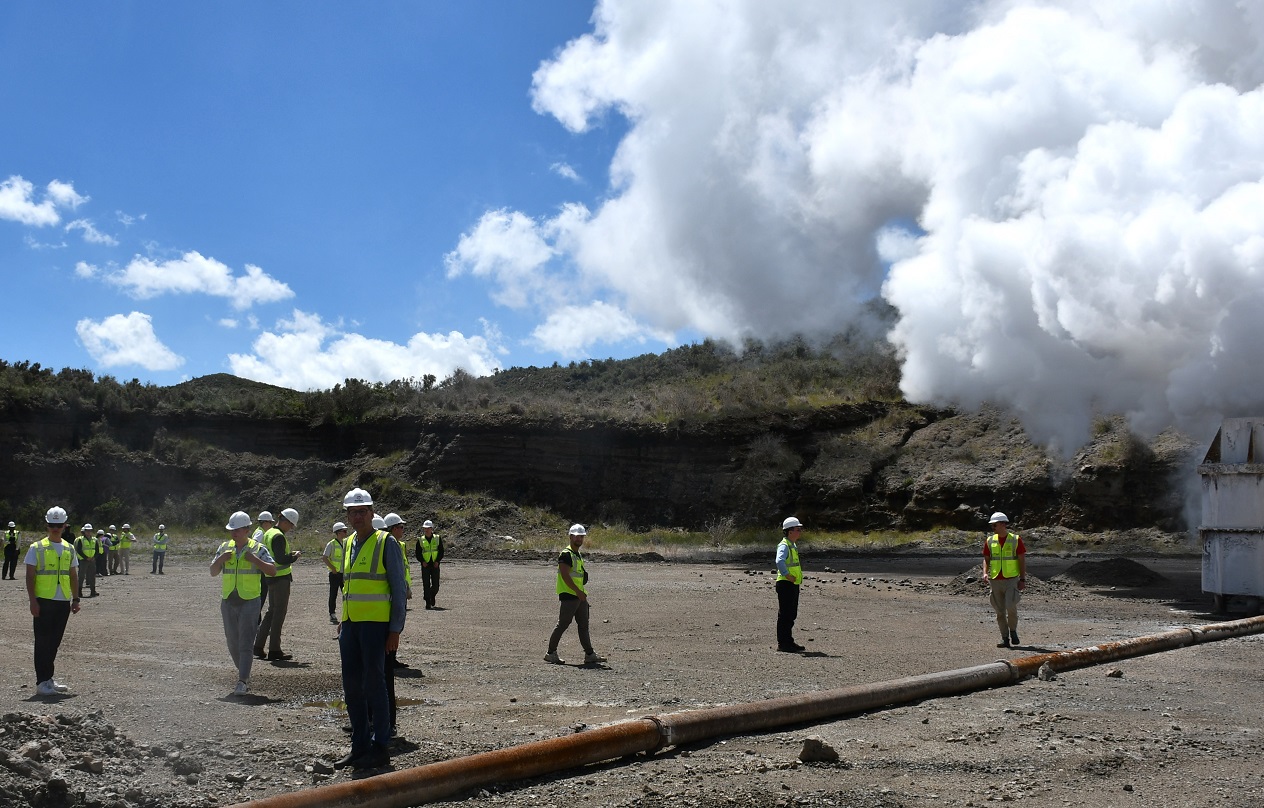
(870,466)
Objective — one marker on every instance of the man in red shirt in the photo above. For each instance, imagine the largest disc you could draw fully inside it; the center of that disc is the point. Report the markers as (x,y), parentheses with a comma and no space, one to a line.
(1005,570)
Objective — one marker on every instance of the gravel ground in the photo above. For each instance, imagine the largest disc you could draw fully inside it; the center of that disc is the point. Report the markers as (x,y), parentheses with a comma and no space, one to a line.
(149,721)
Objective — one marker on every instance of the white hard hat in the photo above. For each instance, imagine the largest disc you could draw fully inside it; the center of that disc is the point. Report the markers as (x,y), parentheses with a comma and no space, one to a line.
(112,527)
(378,522)
(291,516)
(998,517)
(339,526)
(239,519)
(266,516)
(356,496)
(88,526)
(427,523)
(578,530)
(126,526)
(162,527)
(56,515)
(12,525)
(393,519)
(790,522)
(100,532)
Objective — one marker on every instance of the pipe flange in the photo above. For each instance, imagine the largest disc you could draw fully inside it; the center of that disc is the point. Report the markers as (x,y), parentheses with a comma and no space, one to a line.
(664,732)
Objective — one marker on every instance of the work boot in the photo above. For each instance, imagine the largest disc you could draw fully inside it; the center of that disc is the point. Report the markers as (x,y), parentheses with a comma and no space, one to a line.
(552,656)
(347,760)
(1004,643)
(592,658)
(1013,638)
(376,758)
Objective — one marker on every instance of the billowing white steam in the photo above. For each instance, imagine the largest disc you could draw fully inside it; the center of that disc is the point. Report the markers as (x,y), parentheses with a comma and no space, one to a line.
(1069,196)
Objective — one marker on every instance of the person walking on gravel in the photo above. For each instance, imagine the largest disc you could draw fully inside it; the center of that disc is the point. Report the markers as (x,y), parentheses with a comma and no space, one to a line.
(789,578)
(278,587)
(1005,570)
(52,586)
(572,597)
(243,563)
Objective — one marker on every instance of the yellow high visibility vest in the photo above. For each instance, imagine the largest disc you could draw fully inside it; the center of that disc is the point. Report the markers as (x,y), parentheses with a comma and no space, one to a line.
(52,569)
(1003,561)
(239,574)
(366,592)
(792,564)
(429,548)
(268,538)
(336,551)
(577,574)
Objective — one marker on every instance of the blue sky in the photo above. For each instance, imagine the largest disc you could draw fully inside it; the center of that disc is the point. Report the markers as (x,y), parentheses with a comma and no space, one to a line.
(1062,201)
(340,149)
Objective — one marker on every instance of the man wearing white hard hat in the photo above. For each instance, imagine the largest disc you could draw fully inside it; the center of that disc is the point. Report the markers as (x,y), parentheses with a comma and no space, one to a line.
(243,563)
(572,598)
(278,587)
(1005,570)
(126,537)
(789,579)
(335,549)
(429,555)
(374,609)
(88,547)
(160,551)
(52,586)
(11,539)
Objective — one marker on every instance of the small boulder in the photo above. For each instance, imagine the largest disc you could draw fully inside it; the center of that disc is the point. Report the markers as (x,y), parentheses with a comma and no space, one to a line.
(816,750)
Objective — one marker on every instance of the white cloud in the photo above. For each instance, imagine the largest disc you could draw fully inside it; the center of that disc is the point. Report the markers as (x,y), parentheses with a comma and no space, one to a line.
(509,248)
(228,322)
(567,171)
(90,233)
(194,273)
(85,270)
(126,340)
(17,201)
(1086,180)
(573,330)
(305,353)
(127,220)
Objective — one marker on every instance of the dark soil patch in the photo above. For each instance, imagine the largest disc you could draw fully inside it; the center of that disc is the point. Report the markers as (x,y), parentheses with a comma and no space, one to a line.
(1112,572)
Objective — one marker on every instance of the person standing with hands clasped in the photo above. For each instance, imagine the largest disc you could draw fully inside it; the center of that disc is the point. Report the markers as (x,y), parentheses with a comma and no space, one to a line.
(374,608)
(429,555)
(789,578)
(1005,570)
(52,585)
(243,562)
(572,597)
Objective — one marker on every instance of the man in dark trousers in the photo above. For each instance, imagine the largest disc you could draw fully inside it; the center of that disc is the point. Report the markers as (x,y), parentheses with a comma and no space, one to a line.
(429,554)
(52,586)
(278,588)
(789,578)
(11,538)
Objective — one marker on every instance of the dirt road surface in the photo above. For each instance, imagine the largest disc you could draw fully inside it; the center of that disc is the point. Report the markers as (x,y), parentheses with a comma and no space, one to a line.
(150,722)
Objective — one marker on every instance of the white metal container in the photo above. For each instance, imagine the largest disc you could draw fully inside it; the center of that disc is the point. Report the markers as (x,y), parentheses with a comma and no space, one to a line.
(1232,529)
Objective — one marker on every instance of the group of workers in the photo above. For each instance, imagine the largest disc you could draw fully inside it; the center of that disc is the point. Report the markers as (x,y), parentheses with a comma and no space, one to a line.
(369,571)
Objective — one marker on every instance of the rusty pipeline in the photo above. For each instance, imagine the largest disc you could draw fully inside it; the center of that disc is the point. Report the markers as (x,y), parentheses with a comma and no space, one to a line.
(436,781)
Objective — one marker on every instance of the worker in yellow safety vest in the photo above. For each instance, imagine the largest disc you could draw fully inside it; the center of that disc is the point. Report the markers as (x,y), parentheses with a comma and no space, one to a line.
(374,608)
(52,586)
(88,547)
(1005,570)
(243,562)
(572,597)
(789,579)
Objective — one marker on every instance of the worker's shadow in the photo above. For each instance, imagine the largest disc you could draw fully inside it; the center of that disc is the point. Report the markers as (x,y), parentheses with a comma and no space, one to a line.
(408,673)
(362,774)
(249,699)
(53,698)
(288,663)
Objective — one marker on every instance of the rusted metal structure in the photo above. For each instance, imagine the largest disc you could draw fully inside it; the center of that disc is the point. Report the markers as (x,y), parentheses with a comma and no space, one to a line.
(1232,529)
(437,781)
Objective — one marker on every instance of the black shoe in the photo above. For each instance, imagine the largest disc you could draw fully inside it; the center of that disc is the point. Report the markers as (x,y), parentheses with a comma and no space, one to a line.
(378,757)
(160,572)
(790,649)
(279,657)
(399,664)
(93,595)
(259,654)
(349,760)
(1003,644)
(1013,638)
